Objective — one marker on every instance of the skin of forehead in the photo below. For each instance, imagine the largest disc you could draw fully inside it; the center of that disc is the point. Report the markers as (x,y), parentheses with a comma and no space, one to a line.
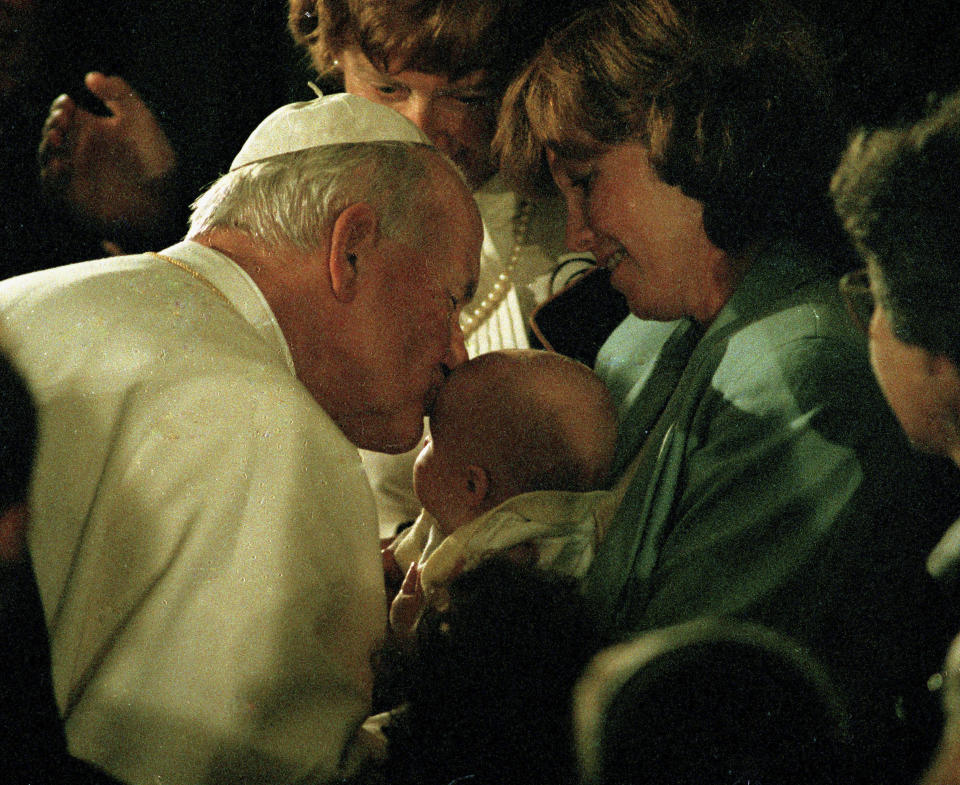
(453,187)
(398,72)
(447,223)
(483,395)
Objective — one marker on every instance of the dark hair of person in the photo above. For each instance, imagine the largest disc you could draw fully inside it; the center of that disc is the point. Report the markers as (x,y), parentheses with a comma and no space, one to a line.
(898,194)
(734,101)
(488,689)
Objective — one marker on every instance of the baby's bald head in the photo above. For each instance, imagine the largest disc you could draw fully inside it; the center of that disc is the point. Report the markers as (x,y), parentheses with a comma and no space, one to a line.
(533,420)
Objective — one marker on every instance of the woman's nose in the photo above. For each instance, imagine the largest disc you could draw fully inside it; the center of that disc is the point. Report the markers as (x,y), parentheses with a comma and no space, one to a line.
(578,236)
(422,112)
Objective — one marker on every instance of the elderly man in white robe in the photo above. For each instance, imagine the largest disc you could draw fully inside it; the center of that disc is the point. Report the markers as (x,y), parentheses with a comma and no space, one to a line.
(204,537)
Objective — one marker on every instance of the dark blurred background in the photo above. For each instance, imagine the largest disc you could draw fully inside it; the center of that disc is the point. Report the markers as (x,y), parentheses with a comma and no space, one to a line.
(212,70)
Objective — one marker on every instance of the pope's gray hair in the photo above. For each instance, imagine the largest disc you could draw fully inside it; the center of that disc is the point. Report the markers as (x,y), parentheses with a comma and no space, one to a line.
(294,198)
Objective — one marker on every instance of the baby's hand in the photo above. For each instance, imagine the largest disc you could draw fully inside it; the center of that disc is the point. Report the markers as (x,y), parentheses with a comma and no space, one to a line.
(392,574)
(407,605)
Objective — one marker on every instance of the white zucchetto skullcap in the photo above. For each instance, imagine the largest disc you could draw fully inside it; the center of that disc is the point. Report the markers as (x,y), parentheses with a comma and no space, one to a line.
(341,118)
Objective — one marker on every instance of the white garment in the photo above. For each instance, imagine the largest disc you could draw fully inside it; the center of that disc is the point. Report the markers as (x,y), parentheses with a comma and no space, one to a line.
(203,535)
(504,328)
(562,525)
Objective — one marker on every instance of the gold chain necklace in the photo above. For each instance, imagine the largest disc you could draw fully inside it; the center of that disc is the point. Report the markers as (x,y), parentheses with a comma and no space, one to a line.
(187,269)
(469,322)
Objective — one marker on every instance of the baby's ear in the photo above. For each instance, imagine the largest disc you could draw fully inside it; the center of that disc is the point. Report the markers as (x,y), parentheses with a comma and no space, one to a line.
(478,483)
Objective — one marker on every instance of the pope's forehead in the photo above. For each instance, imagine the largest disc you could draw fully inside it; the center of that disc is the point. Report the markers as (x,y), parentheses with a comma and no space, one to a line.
(460,214)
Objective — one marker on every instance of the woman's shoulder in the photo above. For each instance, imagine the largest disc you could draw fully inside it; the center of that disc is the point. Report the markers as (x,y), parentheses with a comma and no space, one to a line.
(788,295)
(786,335)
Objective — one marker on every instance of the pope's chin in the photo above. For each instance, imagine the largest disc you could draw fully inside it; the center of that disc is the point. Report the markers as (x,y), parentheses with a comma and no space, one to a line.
(397,434)
(401,443)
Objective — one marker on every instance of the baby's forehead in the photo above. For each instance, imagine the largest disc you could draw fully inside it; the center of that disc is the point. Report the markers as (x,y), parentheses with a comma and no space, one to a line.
(480,385)
(503,368)
(468,388)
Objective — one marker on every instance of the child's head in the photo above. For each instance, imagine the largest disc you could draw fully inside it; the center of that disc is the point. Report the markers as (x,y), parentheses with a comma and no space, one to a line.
(510,422)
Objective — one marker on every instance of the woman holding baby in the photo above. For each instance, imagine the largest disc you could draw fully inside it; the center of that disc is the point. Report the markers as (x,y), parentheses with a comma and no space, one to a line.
(762,475)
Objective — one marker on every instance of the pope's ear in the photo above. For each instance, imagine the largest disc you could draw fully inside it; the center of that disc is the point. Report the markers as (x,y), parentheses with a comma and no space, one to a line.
(352,238)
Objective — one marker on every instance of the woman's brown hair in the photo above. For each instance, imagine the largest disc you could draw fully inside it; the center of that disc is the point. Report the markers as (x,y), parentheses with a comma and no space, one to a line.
(733,100)
(452,37)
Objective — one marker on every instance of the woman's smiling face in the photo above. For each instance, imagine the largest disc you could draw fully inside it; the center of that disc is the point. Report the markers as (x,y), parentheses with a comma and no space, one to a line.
(649,233)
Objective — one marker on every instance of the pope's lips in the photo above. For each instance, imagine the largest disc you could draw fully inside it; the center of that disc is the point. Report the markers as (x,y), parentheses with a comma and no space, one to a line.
(430,398)
(429,401)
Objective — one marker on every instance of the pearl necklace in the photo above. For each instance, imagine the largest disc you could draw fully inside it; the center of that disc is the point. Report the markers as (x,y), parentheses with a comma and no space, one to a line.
(469,322)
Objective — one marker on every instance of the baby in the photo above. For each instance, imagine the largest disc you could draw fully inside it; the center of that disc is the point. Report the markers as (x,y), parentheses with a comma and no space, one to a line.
(521,442)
